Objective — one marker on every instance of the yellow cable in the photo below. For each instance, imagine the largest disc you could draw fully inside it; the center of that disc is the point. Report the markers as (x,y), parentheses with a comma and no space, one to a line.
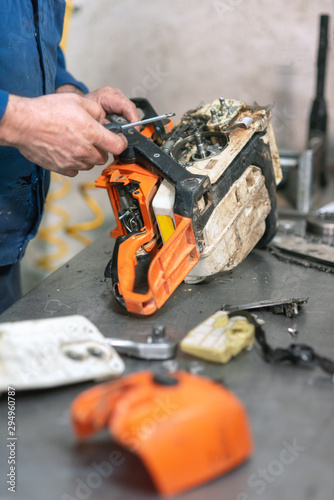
(68,14)
(46,234)
(88,225)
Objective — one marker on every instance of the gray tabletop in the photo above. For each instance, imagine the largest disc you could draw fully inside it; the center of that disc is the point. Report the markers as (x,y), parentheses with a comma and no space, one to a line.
(291,409)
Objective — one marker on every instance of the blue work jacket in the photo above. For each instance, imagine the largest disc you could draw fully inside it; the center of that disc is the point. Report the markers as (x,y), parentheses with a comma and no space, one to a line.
(31,65)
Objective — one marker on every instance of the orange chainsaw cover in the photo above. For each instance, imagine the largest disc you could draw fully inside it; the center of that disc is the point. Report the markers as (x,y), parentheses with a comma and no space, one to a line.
(186,433)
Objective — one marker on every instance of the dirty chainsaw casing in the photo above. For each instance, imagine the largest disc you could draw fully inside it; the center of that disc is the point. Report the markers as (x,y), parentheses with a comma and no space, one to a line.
(190,201)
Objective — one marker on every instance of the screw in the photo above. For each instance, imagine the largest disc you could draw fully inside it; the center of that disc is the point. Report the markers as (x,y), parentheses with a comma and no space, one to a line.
(222,105)
(293,331)
(214,117)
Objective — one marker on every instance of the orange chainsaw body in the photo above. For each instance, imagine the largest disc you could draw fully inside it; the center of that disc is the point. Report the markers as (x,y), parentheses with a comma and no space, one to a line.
(170,263)
(186,428)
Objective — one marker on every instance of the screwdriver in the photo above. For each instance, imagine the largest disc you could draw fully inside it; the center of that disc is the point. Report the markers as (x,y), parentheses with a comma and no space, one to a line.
(117,128)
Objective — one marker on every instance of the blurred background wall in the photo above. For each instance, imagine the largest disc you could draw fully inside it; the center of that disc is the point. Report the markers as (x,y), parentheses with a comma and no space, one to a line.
(180,54)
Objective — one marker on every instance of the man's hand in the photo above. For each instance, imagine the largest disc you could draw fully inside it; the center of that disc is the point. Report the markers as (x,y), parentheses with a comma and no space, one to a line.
(62,132)
(111,100)
(114,101)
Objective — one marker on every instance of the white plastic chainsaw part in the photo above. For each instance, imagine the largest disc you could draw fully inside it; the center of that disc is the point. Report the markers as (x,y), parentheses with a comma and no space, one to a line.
(42,353)
(163,207)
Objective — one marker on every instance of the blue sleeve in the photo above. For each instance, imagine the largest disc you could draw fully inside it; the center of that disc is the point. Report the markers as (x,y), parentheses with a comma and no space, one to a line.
(3,102)
(63,77)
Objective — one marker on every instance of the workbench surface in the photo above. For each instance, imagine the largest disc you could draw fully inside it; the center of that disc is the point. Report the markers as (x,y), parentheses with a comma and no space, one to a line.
(291,409)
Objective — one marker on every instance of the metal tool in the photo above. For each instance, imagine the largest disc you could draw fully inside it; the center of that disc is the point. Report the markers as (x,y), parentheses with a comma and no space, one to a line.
(318,117)
(311,162)
(157,346)
(117,128)
(289,307)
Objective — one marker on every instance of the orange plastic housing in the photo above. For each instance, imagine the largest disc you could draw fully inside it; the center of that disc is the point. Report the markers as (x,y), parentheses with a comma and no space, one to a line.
(185,434)
(170,264)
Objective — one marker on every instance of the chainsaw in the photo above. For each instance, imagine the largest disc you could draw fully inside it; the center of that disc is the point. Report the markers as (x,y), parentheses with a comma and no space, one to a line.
(189,200)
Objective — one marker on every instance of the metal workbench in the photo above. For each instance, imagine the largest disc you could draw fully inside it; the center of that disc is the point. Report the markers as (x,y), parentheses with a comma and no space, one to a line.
(290,408)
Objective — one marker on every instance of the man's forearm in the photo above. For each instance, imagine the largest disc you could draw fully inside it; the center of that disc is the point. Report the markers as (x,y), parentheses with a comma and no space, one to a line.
(8,128)
(68,88)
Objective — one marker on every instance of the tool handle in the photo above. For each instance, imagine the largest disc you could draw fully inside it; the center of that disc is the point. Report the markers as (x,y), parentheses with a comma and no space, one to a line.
(116,128)
(318,117)
(322,54)
(142,350)
(124,346)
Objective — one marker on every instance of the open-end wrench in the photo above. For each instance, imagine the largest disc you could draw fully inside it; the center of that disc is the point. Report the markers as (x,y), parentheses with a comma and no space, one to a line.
(156,347)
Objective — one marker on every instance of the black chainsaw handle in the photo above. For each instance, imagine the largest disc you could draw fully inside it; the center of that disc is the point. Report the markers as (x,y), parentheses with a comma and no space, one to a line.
(149,112)
(145,106)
